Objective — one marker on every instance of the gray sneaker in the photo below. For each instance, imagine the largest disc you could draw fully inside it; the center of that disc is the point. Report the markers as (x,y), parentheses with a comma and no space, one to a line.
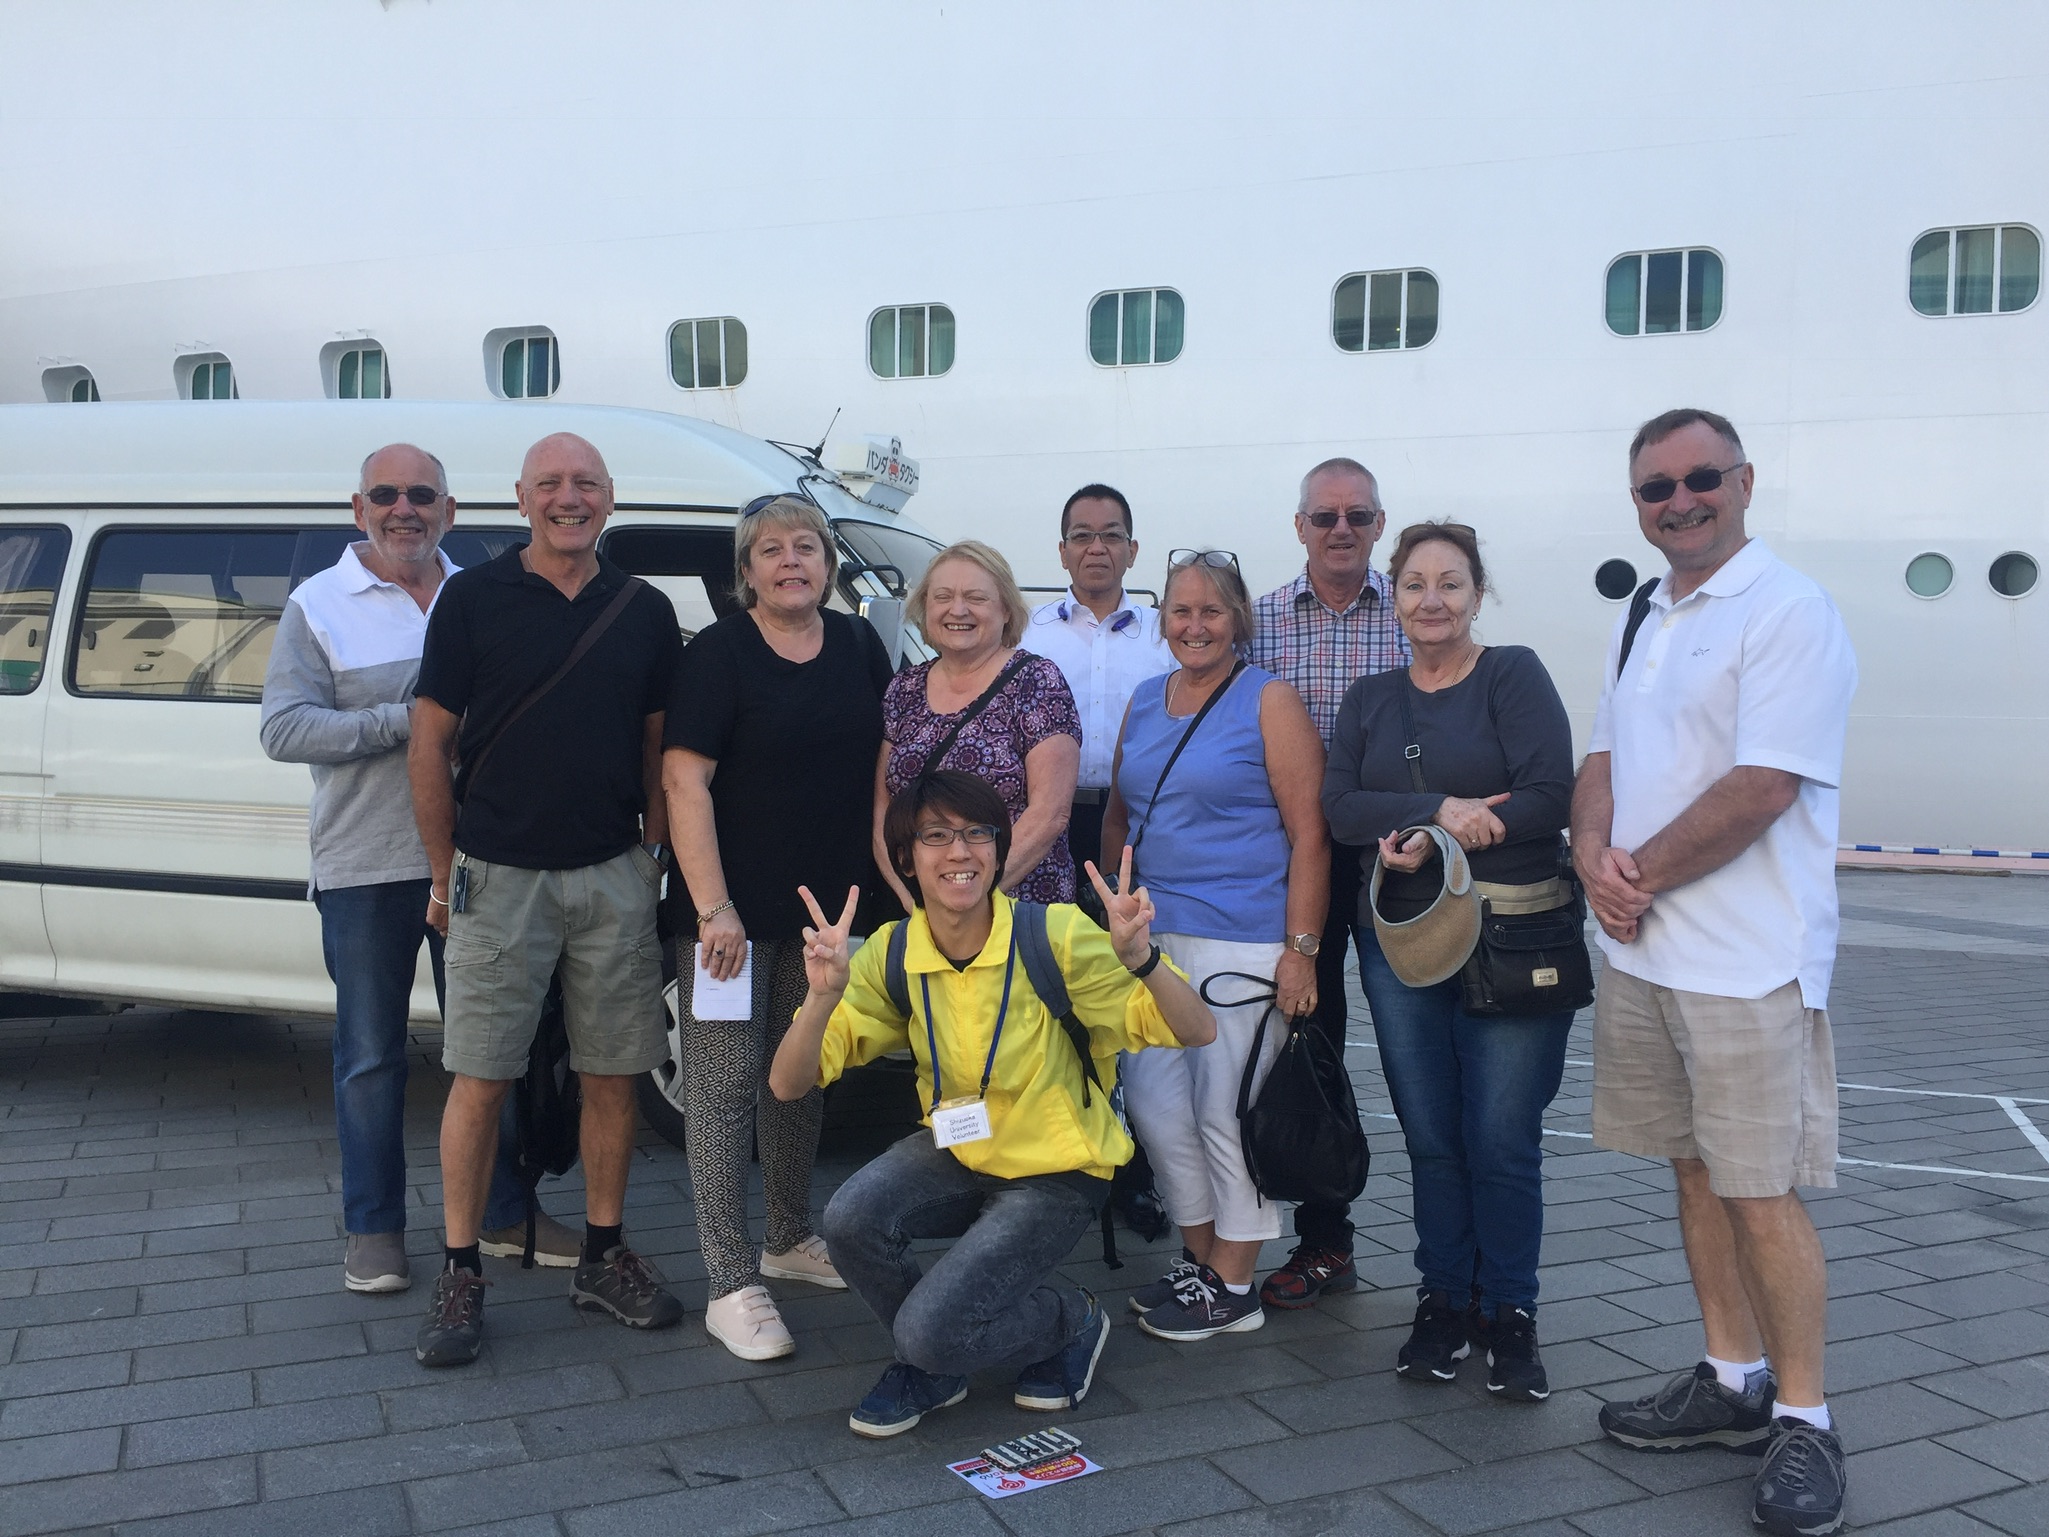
(453,1331)
(1799,1491)
(376,1262)
(1691,1410)
(626,1286)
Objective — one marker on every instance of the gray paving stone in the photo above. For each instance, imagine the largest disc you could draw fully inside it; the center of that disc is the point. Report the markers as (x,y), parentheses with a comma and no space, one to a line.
(1881,1358)
(2017,1446)
(1355,1513)
(1933,1523)
(898,1479)
(64,1375)
(1914,1476)
(1502,1494)
(593,1427)
(67,1307)
(723,1510)
(1894,1412)
(320,1423)
(102,1334)
(1123,1500)
(1664,1473)
(2024,1512)
(95,1499)
(60,1456)
(529,1488)
(247,1351)
(379,1512)
(2005,1388)
(1974,1296)
(1334,1460)
(1491,1431)
(1996,1337)
(389,1458)
(1712,1508)
(442,1402)
(955,1520)
(47,1414)
(351,1374)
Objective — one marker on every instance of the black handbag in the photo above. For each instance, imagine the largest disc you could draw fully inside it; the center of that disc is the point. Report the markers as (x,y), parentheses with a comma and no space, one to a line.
(1301,1135)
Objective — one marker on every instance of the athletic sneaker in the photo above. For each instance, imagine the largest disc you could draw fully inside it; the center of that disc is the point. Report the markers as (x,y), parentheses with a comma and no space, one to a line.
(454,1330)
(1202,1306)
(1153,1293)
(1799,1490)
(808,1261)
(904,1396)
(1309,1273)
(1062,1381)
(1694,1409)
(376,1262)
(1438,1340)
(556,1245)
(626,1286)
(1515,1372)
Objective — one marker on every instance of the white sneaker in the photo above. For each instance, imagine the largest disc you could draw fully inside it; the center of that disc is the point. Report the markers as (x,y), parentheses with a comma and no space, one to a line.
(807,1262)
(746,1322)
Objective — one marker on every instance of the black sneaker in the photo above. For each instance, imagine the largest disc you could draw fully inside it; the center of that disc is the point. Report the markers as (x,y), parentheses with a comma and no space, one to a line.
(1153,1293)
(1691,1410)
(454,1330)
(1799,1490)
(1062,1381)
(626,1286)
(1515,1372)
(1202,1306)
(1308,1274)
(1438,1341)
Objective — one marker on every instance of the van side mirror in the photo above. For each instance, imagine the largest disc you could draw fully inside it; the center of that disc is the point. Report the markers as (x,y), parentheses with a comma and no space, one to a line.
(887,615)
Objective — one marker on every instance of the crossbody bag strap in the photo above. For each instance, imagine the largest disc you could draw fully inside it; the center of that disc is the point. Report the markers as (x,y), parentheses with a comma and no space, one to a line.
(1639,610)
(1175,756)
(1413,752)
(592,633)
(938,757)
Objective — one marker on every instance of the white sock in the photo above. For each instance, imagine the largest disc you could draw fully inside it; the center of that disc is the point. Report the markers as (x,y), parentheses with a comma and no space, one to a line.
(1818,1416)
(1735,1375)
(1238,1291)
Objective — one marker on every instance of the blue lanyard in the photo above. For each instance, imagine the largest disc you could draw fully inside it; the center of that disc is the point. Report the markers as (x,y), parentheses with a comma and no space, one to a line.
(932,1041)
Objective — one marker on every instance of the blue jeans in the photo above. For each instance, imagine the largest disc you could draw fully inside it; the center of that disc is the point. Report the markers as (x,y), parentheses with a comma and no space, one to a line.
(1470,1093)
(990,1300)
(370,937)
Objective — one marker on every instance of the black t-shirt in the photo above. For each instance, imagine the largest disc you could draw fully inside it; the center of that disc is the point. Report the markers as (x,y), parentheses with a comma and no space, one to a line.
(795,742)
(563,789)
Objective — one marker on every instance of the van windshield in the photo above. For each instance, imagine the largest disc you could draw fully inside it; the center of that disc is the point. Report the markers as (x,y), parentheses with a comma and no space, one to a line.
(879,545)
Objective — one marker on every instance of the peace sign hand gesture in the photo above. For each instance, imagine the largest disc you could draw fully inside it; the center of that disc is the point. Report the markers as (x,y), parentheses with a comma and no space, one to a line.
(825,946)
(1130,913)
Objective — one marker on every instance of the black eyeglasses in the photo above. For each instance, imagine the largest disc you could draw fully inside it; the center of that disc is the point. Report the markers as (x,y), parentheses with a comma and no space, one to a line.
(942,837)
(387,496)
(1110,539)
(760,502)
(1355,517)
(1223,560)
(1660,488)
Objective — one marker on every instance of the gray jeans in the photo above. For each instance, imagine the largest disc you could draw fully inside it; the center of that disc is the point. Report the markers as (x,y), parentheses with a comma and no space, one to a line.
(992,1299)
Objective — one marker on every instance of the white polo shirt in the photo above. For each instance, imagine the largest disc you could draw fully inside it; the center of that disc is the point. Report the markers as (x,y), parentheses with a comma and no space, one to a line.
(1103,661)
(1752,668)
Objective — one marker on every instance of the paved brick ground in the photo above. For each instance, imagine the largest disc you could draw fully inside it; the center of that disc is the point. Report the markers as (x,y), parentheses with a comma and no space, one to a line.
(176,1354)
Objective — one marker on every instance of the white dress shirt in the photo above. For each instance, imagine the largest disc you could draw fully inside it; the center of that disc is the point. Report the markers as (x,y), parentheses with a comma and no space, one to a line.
(1753,667)
(1103,660)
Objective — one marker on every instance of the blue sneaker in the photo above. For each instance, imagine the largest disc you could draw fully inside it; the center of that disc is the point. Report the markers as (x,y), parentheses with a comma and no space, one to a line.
(1062,1381)
(904,1396)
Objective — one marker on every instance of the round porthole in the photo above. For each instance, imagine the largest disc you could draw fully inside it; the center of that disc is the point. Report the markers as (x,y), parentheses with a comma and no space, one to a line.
(2013,575)
(1615,580)
(1929,575)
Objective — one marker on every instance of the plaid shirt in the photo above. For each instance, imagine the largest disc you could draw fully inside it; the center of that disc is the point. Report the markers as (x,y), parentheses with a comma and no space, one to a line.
(1296,636)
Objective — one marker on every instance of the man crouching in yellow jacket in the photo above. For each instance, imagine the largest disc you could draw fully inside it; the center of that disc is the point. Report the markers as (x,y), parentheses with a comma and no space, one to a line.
(1019,1151)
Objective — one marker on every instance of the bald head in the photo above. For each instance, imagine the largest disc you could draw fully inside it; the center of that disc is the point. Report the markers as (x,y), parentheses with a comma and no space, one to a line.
(401,464)
(565,494)
(566,453)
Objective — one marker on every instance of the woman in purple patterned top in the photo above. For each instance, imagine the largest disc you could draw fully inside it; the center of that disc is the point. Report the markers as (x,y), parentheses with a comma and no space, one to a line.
(1026,741)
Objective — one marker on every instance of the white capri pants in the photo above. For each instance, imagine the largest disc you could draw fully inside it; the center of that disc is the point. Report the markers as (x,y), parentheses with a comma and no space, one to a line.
(1184,1104)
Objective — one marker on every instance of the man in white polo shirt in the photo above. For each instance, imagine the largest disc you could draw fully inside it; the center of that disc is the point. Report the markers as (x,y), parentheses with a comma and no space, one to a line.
(1704,828)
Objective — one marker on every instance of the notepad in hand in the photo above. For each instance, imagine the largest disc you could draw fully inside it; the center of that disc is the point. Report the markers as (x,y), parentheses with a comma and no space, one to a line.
(712,999)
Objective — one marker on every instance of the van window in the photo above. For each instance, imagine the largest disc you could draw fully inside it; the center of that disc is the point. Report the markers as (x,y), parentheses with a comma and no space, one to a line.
(181,613)
(691,567)
(466,545)
(31,565)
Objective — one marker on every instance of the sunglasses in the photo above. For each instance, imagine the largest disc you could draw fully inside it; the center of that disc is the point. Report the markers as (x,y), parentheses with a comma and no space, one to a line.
(942,837)
(1355,517)
(1180,560)
(1660,488)
(387,496)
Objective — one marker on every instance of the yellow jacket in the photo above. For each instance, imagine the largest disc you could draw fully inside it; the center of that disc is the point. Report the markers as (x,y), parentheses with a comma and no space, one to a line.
(1035,1111)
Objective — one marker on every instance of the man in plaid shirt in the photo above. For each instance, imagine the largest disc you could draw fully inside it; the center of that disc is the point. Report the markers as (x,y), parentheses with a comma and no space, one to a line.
(1333,624)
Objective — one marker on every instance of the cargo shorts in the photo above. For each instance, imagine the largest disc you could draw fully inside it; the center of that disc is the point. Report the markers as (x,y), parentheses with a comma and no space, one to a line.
(597,923)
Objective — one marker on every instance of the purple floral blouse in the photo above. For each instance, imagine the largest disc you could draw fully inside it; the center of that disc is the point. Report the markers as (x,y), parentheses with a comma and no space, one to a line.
(1034,705)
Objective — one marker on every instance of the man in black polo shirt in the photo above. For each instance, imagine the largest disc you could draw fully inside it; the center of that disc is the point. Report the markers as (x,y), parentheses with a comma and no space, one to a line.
(546,851)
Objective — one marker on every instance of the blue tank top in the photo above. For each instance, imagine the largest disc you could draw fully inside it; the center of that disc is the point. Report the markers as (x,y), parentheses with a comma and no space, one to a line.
(1215,856)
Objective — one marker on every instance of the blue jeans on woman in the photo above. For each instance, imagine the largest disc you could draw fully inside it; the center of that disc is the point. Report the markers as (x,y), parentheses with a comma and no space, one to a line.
(1470,1092)
(370,937)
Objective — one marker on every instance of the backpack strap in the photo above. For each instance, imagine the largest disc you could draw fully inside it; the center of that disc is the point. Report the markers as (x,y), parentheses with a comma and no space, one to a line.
(1035,949)
(896,980)
(1639,610)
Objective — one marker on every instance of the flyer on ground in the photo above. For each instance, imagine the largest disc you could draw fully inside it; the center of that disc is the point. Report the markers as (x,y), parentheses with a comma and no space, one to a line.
(1001,1485)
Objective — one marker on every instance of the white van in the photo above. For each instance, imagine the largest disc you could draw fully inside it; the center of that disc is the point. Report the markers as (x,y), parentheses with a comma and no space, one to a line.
(149,851)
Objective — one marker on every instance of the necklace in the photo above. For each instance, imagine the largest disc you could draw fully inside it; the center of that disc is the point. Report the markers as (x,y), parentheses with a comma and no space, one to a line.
(1466,665)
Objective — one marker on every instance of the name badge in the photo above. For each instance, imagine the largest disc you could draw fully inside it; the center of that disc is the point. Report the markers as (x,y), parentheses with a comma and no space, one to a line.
(955,1121)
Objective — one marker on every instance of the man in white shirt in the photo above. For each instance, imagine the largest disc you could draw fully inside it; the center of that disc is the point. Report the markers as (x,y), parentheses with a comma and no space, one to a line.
(1704,828)
(1104,642)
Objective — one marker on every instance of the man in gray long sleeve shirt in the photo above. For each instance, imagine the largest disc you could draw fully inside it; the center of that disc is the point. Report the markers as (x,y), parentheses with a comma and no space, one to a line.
(337,697)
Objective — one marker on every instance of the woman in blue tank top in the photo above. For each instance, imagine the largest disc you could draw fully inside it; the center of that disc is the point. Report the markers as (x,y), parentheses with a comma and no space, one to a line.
(1231,848)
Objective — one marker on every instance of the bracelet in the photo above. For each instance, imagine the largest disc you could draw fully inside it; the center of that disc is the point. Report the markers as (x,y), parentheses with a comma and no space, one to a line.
(712,912)
(437,901)
(1143,971)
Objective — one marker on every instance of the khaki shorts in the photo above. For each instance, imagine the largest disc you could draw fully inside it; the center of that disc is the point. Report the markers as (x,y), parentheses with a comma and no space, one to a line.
(1745,1085)
(598,924)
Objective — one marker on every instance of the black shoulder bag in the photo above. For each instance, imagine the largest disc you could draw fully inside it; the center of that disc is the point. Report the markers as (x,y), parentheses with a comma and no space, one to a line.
(1301,1133)
(1531,956)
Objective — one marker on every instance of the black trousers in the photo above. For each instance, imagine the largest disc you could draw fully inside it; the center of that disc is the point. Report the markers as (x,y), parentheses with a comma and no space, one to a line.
(1320,1226)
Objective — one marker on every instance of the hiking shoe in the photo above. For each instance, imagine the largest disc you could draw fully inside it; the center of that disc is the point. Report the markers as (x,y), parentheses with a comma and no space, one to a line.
(1062,1381)
(1438,1341)
(747,1323)
(376,1262)
(1309,1274)
(555,1246)
(626,1286)
(1515,1372)
(1140,1208)
(808,1261)
(904,1396)
(1201,1306)
(454,1330)
(1153,1293)
(1799,1490)
(1694,1409)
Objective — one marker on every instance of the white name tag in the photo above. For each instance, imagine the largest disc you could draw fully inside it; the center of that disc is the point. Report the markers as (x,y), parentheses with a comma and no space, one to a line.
(955,1121)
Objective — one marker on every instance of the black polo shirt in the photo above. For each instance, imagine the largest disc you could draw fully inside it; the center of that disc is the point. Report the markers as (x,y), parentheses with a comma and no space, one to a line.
(563,789)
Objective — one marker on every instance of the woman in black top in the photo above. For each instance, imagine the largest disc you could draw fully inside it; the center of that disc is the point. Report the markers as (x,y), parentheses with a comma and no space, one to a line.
(1496,755)
(771,737)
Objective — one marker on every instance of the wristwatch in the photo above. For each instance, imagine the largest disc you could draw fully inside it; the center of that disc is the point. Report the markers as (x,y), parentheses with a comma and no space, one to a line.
(1305,944)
